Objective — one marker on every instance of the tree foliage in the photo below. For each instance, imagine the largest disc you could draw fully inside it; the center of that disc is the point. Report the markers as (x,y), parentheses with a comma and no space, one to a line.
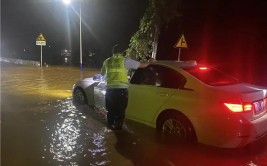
(158,14)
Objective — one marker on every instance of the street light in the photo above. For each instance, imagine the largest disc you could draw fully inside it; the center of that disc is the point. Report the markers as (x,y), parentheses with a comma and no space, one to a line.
(67,2)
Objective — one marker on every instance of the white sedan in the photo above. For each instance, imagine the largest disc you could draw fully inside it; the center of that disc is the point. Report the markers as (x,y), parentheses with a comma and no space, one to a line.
(189,101)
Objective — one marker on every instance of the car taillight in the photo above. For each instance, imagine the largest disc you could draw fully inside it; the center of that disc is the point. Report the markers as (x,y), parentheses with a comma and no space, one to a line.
(245,107)
(248,107)
(203,68)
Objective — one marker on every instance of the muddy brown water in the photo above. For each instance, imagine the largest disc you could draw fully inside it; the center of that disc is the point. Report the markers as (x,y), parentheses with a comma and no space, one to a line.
(40,126)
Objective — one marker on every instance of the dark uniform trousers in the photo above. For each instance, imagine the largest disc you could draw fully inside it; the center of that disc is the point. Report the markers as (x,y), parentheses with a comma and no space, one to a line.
(116,103)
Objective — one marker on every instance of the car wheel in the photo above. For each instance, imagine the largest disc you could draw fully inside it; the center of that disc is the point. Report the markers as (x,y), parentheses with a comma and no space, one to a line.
(79,97)
(176,126)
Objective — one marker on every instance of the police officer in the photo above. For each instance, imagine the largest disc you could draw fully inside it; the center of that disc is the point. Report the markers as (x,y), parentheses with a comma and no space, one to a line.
(115,70)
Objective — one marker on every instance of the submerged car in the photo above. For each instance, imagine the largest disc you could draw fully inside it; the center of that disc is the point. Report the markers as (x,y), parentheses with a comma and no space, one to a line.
(189,101)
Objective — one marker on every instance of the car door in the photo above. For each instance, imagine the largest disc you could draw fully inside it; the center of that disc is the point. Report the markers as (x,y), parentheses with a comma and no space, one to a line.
(99,96)
(149,89)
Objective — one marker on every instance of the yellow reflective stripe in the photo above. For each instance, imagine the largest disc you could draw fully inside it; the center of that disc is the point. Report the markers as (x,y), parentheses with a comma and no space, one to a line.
(116,70)
(118,83)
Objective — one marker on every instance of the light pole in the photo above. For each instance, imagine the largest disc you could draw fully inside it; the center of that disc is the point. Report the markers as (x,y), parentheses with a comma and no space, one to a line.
(81,47)
(67,2)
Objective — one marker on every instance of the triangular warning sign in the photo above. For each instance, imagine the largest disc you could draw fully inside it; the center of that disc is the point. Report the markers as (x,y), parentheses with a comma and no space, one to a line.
(181,43)
(40,37)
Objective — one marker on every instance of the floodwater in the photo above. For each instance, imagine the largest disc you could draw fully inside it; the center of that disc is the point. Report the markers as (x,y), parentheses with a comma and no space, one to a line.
(40,126)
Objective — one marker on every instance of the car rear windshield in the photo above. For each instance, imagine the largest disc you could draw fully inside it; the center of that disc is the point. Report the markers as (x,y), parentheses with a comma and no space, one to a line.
(212,76)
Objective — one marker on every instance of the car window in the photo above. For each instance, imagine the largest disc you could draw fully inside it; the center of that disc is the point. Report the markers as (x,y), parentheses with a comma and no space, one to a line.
(160,76)
(143,76)
(212,76)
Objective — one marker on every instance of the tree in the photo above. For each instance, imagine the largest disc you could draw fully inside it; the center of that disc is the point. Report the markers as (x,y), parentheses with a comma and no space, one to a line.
(159,13)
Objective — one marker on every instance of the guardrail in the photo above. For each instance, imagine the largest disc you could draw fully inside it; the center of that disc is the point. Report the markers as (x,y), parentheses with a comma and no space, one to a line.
(20,61)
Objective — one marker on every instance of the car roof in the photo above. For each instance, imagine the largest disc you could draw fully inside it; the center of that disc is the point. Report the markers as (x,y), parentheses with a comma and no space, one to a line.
(177,64)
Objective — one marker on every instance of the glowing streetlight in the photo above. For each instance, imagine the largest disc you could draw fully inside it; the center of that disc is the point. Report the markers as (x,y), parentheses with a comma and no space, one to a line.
(67,2)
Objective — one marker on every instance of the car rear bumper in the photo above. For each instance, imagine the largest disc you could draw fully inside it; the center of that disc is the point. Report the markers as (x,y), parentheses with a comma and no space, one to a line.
(249,132)
(230,132)
(259,127)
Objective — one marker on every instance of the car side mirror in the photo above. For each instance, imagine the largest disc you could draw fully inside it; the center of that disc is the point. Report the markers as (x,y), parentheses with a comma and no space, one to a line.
(97,77)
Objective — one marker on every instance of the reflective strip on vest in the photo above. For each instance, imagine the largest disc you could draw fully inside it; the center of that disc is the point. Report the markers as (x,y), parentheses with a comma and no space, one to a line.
(116,70)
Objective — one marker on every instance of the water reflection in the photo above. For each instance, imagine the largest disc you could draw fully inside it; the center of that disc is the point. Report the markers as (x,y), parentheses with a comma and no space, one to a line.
(64,141)
(65,132)
(73,138)
(46,82)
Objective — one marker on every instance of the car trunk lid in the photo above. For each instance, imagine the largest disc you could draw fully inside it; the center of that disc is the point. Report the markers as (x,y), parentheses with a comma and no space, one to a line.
(249,94)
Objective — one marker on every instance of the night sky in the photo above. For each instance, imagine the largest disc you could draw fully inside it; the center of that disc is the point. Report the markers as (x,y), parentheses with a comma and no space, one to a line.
(105,23)
(231,33)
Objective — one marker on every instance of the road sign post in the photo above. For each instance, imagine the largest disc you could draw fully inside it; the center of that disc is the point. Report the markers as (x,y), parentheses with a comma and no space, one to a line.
(179,54)
(41,56)
(40,41)
(181,44)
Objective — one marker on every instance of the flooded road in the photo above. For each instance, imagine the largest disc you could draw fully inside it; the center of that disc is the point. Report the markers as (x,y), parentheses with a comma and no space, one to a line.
(40,126)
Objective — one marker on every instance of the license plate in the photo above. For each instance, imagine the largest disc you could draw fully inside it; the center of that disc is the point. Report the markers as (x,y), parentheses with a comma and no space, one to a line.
(259,107)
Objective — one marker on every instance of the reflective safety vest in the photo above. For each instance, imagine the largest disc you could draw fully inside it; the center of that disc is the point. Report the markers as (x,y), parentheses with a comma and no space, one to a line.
(116,73)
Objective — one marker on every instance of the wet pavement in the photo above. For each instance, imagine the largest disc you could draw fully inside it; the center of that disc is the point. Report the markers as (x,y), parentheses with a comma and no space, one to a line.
(40,126)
